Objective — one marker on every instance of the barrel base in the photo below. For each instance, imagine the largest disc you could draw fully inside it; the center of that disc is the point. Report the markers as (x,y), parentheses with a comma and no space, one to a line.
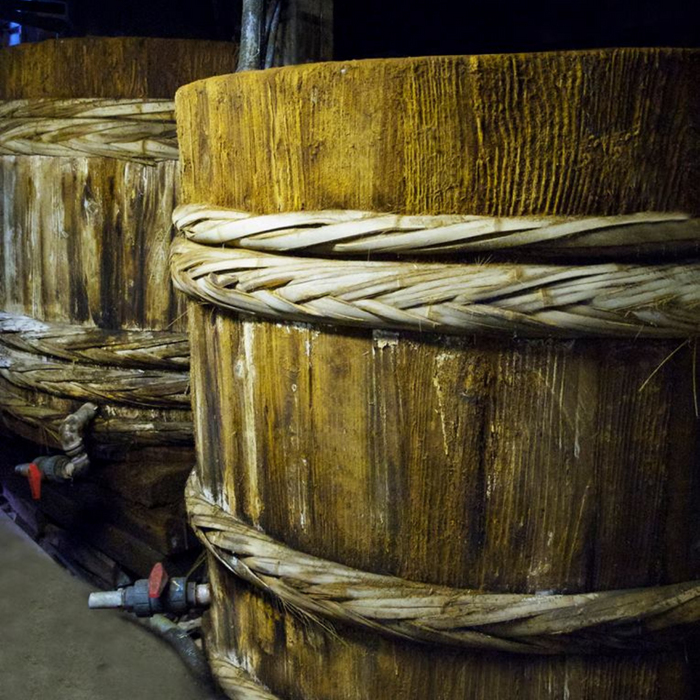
(299,659)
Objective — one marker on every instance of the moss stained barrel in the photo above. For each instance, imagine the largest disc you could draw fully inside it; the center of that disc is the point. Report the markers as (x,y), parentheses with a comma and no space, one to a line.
(505,464)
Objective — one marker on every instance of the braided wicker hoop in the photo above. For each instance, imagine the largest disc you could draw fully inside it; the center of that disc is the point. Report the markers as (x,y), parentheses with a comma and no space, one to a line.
(235,681)
(130,367)
(348,233)
(137,130)
(523,623)
(134,387)
(114,427)
(130,372)
(655,301)
(118,348)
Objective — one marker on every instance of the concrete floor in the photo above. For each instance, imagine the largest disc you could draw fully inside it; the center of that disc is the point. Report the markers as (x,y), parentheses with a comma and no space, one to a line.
(53,648)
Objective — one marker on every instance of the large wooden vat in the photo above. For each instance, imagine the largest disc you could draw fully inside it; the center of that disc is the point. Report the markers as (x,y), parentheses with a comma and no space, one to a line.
(88,176)
(509,437)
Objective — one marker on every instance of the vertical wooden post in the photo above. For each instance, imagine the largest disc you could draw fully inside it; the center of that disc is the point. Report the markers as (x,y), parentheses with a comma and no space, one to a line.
(306,32)
(285,32)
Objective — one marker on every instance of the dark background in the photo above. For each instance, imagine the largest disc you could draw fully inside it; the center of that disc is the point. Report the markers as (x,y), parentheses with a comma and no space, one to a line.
(366,28)
(396,29)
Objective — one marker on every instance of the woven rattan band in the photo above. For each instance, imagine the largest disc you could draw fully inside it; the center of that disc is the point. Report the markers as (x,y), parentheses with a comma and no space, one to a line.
(140,369)
(361,233)
(525,623)
(616,300)
(137,130)
(235,681)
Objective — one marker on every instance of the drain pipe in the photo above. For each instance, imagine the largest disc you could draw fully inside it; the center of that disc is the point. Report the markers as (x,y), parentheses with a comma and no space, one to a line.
(189,652)
(192,656)
(150,600)
(74,463)
(179,597)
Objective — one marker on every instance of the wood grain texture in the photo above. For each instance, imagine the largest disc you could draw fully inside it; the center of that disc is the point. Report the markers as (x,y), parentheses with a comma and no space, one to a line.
(357,667)
(84,241)
(474,463)
(511,465)
(151,476)
(117,67)
(116,430)
(306,32)
(522,134)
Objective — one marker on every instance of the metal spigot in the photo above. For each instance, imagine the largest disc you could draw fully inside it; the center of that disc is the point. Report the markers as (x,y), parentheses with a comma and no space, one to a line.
(75,461)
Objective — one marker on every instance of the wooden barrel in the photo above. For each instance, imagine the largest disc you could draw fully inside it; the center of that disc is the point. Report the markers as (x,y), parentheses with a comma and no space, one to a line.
(443,364)
(89,178)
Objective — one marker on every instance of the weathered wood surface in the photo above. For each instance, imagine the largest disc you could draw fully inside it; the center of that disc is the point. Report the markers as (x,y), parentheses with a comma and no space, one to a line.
(509,465)
(306,32)
(358,662)
(546,622)
(516,135)
(84,505)
(151,476)
(24,513)
(82,559)
(118,543)
(474,463)
(84,246)
(85,240)
(117,429)
(130,508)
(118,67)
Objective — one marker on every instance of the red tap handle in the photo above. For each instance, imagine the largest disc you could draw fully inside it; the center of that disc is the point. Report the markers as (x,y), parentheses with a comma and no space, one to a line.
(35,476)
(157,580)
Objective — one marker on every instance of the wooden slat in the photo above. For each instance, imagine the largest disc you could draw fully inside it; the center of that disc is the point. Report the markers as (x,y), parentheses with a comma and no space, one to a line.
(511,465)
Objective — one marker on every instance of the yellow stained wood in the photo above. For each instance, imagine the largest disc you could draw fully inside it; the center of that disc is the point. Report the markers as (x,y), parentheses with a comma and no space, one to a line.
(285,650)
(85,241)
(510,465)
(118,67)
(593,132)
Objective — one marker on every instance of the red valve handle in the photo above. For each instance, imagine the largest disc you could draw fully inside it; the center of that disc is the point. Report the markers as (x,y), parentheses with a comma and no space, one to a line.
(35,476)
(157,580)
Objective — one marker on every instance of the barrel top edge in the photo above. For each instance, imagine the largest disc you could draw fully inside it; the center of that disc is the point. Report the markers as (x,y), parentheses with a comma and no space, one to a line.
(87,41)
(471,61)
(137,66)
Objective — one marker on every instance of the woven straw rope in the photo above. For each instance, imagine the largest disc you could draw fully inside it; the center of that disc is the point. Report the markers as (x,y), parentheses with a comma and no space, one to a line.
(137,130)
(235,681)
(119,348)
(522,623)
(108,429)
(136,387)
(142,369)
(362,232)
(139,368)
(655,301)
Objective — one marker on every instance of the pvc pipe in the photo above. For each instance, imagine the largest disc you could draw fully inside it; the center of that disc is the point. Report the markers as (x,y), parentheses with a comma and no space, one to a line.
(106,599)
